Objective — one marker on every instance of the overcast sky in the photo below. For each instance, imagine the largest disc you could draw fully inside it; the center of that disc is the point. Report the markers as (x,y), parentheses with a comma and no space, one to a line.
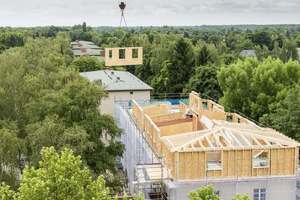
(148,12)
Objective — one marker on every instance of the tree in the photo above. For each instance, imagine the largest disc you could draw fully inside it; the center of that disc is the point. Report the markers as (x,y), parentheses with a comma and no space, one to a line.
(87,63)
(285,115)
(6,193)
(206,55)
(84,29)
(50,104)
(241,197)
(59,176)
(262,38)
(205,82)
(251,86)
(204,193)
(10,148)
(178,69)
(10,39)
(234,82)
(53,132)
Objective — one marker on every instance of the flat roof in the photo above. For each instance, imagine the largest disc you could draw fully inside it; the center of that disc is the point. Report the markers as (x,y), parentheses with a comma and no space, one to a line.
(85,48)
(113,80)
(86,52)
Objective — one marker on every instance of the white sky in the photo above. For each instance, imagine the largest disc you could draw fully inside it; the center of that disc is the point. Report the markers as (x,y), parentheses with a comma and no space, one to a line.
(150,12)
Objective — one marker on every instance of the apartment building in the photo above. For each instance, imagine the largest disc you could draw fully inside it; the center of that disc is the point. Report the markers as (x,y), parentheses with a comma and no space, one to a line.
(172,150)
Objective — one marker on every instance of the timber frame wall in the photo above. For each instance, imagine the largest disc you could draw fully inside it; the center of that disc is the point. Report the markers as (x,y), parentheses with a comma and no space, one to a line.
(191,164)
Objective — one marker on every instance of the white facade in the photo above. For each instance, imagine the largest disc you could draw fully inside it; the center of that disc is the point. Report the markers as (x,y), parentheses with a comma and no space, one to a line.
(276,188)
(119,86)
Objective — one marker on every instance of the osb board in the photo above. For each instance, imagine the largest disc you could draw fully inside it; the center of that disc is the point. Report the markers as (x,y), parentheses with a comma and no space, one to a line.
(152,133)
(190,166)
(173,122)
(237,163)
(261,171)
(217,115)
(167,117)
(283,161)
(176,129)
(214,173)
(197,126)
(138,115)
(155,110)
(114,60)
(214,111)
(169,159)
(182,108)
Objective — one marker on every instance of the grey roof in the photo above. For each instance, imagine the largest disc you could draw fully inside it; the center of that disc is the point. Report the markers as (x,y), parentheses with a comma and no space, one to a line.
(86,52)
(85,48)
(117,80)
(248,53)
(81,42)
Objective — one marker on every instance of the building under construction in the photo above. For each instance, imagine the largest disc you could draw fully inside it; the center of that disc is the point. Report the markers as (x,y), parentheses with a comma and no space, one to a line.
(172,150)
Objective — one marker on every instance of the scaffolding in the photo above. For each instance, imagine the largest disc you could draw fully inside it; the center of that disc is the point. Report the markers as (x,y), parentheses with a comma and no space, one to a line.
(143,167)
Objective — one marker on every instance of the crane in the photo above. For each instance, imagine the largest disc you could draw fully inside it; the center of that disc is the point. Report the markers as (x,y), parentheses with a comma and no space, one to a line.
(122,6)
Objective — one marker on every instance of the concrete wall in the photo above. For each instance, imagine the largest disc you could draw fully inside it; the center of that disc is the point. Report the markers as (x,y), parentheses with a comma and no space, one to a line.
(279,188)
(107,104)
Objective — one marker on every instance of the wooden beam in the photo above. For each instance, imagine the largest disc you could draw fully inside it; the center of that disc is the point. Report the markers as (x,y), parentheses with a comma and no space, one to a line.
(246,140)
(209,142)
(200,143)
(232,136)
(273,139)
(226,138)
(217,140)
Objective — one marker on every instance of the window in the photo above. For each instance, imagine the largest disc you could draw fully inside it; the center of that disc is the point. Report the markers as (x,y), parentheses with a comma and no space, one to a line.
(259,194)
(260,159)
(121,53)
(205,105)
(298,184)
(217,192)
(110,53)
(214,161)
(131,92)
(229,118)
(135,53)
(239,120)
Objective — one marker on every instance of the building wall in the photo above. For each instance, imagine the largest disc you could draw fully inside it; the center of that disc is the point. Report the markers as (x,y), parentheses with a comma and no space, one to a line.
(279,188)
(107,104)
(128,60)
(235,163)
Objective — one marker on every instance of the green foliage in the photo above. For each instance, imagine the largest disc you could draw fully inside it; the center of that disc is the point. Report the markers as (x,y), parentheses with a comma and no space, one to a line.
(285,113)
(204,193)
(258,89)
(59,176)
(87,63)
(10,39)
(6,193)
(44,102)
(241,197)
(205,82)
(174,74)
(10,148)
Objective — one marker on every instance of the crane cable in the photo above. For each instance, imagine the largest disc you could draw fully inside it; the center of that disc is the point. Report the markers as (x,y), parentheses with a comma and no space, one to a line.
(122,6)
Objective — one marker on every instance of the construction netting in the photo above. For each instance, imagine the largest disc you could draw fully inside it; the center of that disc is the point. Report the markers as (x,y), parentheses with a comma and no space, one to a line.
(137,150)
